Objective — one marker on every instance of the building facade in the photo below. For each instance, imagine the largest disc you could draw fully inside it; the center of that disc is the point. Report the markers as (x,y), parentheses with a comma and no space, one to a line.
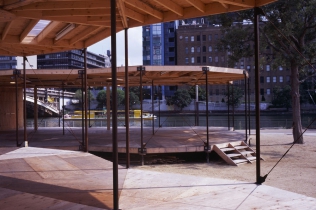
(73,59)
(8,62)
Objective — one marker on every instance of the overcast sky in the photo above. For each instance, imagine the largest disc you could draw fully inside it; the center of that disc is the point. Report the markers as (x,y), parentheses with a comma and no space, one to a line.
(134,47)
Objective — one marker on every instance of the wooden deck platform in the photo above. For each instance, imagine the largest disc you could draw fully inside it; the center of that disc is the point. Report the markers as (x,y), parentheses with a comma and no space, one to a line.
(164,139)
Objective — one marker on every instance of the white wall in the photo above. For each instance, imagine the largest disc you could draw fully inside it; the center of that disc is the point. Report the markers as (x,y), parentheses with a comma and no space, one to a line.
(32,60)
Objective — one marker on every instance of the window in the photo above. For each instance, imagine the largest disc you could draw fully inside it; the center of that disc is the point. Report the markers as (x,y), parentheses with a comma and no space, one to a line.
(198,59)
(287,78)
(198,49)
(216,59)
(210,37)
(268,79)
(204,37)
(268,91)
(192,38)
(274,79)
(204,59)
(248,68)
(204,49)
(280,68)
(281,79)
(261,91)
(180,37)
(261,79)
(198,38)
(186,60)
(186,39)
(192,60)
(210,48)
(186,50)
(192,49)
(268,67)
(210,59)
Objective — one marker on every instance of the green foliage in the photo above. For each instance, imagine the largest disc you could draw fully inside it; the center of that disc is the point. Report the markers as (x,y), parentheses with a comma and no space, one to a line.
(78,95)
(281,97)
(201,93)
(233,96)
(101,98)
(181,99)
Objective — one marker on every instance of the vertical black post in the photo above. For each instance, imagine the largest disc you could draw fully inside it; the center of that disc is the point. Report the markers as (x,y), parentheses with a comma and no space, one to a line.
(114,106)
(85,77)
(206,69)
(245,94)
(257,93)
(233,102)
(89,88)
(63,109)
(82,111)
(159,95)
(196,105)
(249,105)
(152,105)
(35,110)
(16,110)
(228,103)
(127,100)
(141,114)
(24,102)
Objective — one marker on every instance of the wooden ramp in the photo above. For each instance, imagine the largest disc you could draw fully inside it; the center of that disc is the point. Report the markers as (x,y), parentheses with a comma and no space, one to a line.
(235,153)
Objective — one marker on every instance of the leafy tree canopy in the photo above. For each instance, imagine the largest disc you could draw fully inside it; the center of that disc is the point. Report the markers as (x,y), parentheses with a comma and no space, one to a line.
(233,96)
(181,99)
(201,93)
(281,97)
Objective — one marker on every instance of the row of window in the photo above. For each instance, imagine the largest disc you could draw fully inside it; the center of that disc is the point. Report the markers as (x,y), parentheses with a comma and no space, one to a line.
(274,79)
(7,58)
(198,49)
(198,38)
(210,59)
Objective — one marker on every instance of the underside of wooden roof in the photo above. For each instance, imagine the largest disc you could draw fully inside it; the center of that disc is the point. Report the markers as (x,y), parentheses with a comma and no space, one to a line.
(157,75)
(89,20)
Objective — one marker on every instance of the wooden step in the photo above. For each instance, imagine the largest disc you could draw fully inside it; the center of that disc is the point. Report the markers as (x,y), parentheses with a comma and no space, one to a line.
(237,161)
(233,155)
(241,147)
(251,158)
(227,149)
(247,152)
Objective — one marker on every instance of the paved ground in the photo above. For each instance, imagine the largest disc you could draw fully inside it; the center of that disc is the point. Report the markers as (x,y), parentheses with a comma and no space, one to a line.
(38,178)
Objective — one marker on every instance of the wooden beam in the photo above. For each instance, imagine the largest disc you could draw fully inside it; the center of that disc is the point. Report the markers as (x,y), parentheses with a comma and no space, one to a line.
(12,4)
(170,6)
(145,8)
(135,15)
(46,31)
(240,3)
(6,16)
(82,35)
(98,37)
(76,12)
(6,30)
(60,5)
(121,9)
(27,29)
(197,4)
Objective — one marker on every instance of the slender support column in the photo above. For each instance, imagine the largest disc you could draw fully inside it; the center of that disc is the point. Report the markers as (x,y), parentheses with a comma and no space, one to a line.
(63,108)
(245,91)
(152,106)
(249,105)
(141,114)
(228,105)
(257,93)
(233,102)
(82,111)
(196,105)
(35,110)
(24,102)
(16,111)
(114,107)
(207,148)
(89,97)
(108,107)
(159,95)
(127,99)
(85,102)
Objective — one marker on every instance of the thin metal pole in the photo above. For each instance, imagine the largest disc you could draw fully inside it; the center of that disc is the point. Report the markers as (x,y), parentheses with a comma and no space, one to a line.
(159,94)
(152,106)
(85,101)
(127,100)
(141,115)
(35,109)
(246,129)
(16,111)
(196,104)
(114,106)
(207,126)
(63,109)
(233,106)
(228,103)
(257,93)
(108,107)
(249,105)
(89,88)
(24,102)
(82,113)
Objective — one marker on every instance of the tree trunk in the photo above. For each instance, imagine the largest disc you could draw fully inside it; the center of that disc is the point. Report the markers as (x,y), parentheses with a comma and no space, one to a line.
(296,108)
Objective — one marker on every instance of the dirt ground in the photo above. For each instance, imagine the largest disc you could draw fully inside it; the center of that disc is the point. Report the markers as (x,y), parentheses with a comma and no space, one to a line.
(296,172)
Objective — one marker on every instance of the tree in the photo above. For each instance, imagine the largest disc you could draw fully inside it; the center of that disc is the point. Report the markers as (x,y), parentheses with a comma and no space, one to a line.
(234,96)
(101,98)
(133,99)
(201,93)
(181,99)
(288,29)
(78,95)
(281,97)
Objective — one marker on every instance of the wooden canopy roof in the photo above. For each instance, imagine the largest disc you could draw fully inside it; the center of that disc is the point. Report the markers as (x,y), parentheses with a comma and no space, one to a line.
(159,75)
(77,24)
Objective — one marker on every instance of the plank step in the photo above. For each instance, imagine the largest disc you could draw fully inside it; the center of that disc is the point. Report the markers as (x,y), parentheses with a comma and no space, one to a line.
(241,147)
(251,158)
(247,152)
(233,155)
(227,149)
(240,160)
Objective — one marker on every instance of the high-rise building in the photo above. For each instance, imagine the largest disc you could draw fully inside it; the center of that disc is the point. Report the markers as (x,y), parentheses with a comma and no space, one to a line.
(7,62)
(73,59)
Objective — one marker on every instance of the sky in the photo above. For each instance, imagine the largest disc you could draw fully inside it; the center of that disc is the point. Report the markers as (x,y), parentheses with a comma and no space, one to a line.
(134,47)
